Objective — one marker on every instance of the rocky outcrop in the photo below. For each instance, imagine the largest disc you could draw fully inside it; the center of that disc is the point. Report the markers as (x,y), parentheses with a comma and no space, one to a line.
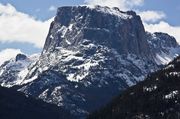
(20,57)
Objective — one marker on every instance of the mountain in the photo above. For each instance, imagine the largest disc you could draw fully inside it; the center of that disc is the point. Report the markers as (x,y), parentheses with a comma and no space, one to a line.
(164,46)
(15,105)
(90,55)
(157,97)
(13,72)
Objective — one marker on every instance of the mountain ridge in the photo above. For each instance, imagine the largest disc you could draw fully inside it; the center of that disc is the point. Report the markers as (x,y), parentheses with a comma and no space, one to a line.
(155,97)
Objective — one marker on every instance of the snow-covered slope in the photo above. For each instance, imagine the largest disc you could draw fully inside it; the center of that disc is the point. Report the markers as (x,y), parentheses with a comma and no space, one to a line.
(91,54)
(14,71)
(164,46)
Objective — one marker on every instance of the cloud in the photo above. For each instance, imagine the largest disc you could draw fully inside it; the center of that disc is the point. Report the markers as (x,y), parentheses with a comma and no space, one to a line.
(52,8)
(152,16)
(163,26)
(20,27)
(122,4)
(7,54)
(154,22)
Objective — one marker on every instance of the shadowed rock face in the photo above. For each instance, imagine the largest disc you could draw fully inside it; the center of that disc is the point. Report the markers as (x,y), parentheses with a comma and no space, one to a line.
(90,55)
(122,31)
(20,57)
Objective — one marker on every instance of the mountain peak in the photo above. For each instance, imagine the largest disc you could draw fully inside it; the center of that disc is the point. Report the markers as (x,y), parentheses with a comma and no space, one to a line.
(111,27)
(98,8)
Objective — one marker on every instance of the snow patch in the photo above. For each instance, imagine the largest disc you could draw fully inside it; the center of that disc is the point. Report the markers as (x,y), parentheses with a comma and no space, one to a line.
(165,58)
(51,36)
(174,74)
(63,30)
(29,80)
(149,89)
(1,71)
(70,27)
(43,94)
(162,59)
(22,74)
(171,95)
(169,66)
(111,11)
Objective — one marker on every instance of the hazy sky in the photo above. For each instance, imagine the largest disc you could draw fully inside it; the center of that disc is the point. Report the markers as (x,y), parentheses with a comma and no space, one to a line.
(24,23)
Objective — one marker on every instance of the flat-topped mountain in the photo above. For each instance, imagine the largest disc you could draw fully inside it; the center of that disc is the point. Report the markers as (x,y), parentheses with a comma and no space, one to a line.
(112,28)
(90,55)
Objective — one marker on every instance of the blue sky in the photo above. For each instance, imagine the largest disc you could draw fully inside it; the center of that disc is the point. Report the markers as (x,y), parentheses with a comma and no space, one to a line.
(39,8)
(170,7)
(159,14)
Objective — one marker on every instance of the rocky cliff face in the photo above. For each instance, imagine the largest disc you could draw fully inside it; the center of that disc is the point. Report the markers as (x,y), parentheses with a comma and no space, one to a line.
(112,28)
(90,55)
